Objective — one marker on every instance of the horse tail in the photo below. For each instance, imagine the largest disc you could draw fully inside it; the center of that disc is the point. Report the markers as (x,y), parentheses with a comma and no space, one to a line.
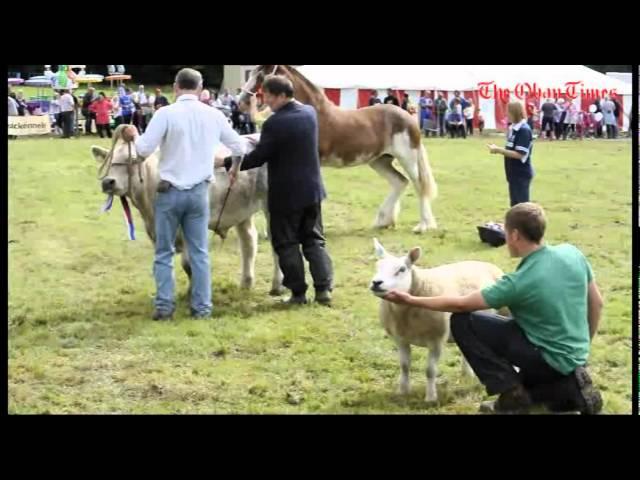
(428,185)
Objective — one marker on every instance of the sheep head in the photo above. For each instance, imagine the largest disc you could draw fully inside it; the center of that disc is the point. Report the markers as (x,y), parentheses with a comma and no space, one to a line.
(393,273)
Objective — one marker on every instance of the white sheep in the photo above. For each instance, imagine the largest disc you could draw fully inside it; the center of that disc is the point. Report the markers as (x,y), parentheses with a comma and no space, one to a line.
(413,326)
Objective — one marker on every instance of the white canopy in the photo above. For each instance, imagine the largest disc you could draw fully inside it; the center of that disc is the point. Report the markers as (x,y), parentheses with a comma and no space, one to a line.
(458,77)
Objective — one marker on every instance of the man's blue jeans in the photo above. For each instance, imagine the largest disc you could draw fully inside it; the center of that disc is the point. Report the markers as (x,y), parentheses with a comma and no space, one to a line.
(189,210)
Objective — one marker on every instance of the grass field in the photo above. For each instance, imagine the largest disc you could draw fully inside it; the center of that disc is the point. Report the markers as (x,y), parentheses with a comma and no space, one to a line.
(80,294)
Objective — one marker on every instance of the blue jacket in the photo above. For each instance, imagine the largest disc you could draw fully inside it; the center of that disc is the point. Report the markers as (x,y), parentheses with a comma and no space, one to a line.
(520,139)
(126,103)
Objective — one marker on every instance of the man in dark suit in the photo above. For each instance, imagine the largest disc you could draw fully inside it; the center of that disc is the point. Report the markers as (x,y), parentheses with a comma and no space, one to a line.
(391,98)
(289,145)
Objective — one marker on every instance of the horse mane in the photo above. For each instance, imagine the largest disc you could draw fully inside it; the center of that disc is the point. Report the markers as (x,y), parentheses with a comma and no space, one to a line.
(304,79)
(319,94)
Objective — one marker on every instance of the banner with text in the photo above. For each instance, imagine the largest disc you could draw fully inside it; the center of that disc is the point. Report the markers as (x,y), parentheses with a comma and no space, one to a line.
(32,125)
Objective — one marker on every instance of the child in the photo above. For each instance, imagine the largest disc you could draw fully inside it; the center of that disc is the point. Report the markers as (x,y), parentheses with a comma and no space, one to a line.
(480,121)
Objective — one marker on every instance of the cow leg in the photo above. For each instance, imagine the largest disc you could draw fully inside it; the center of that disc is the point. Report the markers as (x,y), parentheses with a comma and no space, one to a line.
(277,289)
(266,235)
(248,236)
(390,209)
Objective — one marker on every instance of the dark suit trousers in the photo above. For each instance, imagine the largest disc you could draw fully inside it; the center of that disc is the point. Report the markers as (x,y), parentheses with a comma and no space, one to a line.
(302,228)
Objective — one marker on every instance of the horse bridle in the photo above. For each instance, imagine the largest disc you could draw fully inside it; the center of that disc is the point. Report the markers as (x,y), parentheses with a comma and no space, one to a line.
(253,94)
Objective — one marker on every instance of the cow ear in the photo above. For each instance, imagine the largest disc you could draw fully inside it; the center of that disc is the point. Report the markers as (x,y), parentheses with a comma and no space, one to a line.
(414,256)
(380,251)
(99,153)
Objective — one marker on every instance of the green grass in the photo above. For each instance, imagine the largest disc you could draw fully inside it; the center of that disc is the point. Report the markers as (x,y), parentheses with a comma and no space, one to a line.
(80,294)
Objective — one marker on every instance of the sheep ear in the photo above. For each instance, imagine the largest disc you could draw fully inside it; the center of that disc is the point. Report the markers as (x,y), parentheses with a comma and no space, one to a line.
(380,251)
(414,256)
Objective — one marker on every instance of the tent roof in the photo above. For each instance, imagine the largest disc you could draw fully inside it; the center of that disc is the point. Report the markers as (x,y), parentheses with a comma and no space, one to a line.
(457,77)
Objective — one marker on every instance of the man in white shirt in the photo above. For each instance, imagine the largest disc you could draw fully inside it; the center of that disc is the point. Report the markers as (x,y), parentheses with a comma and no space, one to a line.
(188,134)
(67,108)
(54,112)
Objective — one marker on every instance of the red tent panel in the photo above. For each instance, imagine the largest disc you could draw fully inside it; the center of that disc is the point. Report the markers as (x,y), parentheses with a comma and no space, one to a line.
(363,98)
(333,94)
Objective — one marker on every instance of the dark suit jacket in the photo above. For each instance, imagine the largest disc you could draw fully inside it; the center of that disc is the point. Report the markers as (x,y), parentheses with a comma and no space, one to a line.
(289,145)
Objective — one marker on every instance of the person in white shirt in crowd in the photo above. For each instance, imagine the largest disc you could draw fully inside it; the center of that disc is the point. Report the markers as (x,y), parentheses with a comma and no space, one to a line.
(571,120)
(610,120)
(145,106)
(188,134)
(54,112)
(67,109)
(13,107)
(117,110)
(152,102)
(226,98)
(469,115)
(559,117)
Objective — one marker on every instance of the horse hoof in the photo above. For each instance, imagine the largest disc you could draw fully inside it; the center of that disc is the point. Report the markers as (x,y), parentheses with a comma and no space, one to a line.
(422,229)
(277,292)
(384,226)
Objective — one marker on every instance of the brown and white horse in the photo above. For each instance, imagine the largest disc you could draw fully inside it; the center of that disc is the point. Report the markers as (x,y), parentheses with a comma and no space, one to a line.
(372,136)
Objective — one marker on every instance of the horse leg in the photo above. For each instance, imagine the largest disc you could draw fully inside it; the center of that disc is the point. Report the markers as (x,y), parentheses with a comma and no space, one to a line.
(277,289)
(427,219)
(248,236)
(390,209)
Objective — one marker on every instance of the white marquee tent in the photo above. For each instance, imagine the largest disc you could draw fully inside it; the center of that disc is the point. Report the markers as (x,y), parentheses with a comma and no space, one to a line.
(349,86)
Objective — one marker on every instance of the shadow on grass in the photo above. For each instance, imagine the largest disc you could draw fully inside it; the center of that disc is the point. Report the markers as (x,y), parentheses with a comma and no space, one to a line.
(455,399)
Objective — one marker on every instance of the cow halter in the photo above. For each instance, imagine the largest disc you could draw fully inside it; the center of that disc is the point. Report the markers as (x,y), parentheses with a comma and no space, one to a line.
(132,160)
(130,163)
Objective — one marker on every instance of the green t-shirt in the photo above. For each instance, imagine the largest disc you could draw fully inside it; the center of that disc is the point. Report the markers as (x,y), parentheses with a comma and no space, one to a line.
(548,298)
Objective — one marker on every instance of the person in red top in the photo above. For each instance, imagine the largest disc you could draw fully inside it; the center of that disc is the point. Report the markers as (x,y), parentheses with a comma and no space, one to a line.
(102,108)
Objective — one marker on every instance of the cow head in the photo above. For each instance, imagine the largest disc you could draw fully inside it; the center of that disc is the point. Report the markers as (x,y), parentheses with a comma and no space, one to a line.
(117,167)
(393,273)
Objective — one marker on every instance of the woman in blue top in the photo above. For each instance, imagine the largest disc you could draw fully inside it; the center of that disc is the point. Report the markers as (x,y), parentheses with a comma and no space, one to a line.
(518,155)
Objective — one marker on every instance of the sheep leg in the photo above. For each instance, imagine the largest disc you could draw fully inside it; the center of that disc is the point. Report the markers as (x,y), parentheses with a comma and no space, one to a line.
(405,367)
(432,372)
